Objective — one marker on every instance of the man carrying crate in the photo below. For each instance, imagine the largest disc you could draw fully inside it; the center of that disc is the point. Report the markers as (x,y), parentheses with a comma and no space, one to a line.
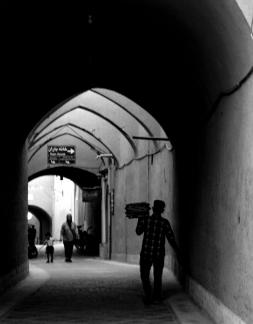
(155,229)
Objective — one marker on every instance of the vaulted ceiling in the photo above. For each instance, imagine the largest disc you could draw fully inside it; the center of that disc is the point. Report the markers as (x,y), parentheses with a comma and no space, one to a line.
(100,123)
(174,59)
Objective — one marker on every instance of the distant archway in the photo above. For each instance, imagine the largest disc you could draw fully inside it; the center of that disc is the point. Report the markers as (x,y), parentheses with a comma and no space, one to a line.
(79,176)
(44,219)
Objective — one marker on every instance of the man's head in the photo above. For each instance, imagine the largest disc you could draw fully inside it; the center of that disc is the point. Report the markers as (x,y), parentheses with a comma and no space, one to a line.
(158,206)
(69,218)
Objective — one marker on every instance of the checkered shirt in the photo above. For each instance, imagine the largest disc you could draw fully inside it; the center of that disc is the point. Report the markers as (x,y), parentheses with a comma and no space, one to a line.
(155,229)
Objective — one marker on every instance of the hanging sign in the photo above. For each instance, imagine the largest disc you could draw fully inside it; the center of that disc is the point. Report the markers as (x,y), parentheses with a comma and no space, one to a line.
(61,154)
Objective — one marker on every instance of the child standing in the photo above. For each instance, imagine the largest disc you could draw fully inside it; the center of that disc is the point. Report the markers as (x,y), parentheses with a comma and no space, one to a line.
(49,242)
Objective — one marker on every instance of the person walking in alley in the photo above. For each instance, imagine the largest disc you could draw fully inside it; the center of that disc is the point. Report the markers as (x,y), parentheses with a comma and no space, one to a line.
(69,235)
(31,235)
(49,242)
(32,250)
(155,229)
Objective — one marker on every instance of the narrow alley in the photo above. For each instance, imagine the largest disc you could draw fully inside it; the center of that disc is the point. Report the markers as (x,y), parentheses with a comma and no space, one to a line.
(91,290)
(108,107)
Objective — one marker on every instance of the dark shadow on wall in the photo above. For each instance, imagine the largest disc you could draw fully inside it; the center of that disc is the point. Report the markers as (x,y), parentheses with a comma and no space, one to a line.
(188,156)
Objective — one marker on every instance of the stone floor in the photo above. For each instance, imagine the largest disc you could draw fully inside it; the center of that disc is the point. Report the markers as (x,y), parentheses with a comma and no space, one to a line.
(91,290)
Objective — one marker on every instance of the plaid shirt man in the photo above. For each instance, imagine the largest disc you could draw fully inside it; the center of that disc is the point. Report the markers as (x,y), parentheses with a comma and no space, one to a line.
(155,229)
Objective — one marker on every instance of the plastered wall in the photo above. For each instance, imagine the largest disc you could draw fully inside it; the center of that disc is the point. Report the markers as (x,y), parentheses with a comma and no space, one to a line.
(246,7)
(221,235)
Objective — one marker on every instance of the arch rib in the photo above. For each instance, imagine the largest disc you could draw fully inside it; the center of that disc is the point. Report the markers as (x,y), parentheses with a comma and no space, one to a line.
(80,128)
(60,135)
(128,138)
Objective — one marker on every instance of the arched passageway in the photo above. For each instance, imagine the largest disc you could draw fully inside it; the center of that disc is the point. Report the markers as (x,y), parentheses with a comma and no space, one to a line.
(55,192)
(80,177)
(116,151)
(190,66)
(44,219)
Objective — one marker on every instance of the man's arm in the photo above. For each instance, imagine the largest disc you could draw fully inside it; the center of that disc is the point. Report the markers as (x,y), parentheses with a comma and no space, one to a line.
(61,233)
(43,244)
(172,241)
(171,237)
(140,225)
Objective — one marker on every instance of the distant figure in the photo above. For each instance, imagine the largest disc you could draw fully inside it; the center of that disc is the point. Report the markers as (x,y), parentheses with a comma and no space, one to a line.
(81,243)
(32,250)
(31,235)
(155,228)
(69,235)
(49,242)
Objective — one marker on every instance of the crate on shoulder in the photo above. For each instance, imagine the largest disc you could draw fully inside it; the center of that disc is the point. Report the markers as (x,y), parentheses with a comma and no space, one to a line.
(137,209)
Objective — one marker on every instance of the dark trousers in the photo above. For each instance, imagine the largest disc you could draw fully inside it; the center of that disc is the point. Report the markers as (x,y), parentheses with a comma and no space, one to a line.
(50,252)
(145,267)
(68,247)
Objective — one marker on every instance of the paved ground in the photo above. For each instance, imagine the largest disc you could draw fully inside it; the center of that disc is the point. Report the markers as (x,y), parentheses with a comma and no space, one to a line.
(90,290)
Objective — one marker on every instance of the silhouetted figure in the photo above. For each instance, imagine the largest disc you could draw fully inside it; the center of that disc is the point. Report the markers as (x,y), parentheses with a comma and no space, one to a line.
(155,229)
(32,250)
(49,242)
(69,235)
(81,243)
(31,235)
(91,248)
